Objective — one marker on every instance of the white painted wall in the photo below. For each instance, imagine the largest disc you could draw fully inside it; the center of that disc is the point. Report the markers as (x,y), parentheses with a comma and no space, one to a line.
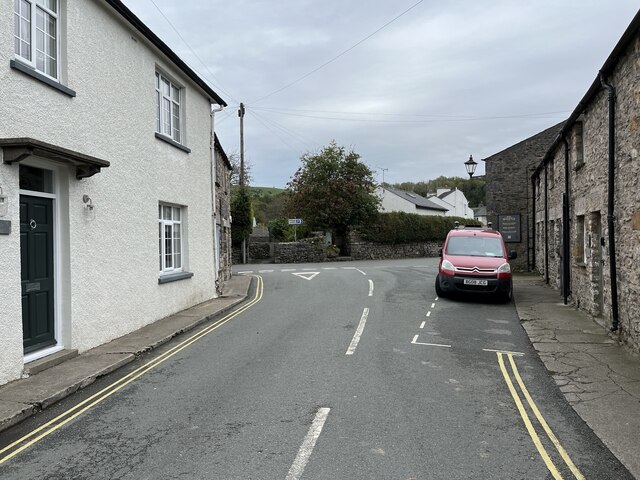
(455,202)
(393,203)
(110,281)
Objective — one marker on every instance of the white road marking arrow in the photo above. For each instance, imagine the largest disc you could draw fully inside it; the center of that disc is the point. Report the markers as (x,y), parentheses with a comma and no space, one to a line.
(306,275)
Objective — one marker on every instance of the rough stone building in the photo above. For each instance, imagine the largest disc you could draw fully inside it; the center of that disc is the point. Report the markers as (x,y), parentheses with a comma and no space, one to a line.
(587,197)
(223,212)
(508,193)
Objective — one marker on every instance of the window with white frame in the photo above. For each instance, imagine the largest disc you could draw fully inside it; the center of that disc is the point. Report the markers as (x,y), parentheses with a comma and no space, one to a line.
(36,34)
(171,248)
(168,110)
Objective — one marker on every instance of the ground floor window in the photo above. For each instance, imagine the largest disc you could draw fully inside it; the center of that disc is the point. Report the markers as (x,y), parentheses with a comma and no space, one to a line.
(581,247)
(170,238)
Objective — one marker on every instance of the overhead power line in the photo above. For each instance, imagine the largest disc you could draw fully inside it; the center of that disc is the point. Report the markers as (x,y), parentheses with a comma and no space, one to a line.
(286,111)
(409,122)
(339,55)
(195,54)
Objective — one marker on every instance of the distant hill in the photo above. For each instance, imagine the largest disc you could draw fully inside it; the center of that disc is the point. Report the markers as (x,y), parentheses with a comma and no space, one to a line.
(267,203)
(262,192)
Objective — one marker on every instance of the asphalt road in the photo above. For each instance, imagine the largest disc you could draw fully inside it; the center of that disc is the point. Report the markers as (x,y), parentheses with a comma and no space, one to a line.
(338,371)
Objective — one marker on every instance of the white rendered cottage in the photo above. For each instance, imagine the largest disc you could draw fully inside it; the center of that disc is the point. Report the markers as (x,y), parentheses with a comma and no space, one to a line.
(106,183)
(395,200)
(454,201)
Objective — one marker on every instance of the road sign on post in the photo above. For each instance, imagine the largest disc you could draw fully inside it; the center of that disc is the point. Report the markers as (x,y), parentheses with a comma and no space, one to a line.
(295,222)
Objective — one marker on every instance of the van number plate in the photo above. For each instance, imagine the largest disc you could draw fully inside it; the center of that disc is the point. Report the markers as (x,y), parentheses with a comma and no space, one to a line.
(473,281)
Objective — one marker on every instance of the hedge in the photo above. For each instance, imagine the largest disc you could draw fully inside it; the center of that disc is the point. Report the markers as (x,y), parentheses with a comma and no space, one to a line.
(399,227)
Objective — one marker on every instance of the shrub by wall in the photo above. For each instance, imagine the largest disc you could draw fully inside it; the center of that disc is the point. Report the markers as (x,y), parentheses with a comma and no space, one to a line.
(394,228)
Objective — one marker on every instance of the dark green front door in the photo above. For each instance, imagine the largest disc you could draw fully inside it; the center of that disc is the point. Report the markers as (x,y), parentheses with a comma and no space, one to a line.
(36,256)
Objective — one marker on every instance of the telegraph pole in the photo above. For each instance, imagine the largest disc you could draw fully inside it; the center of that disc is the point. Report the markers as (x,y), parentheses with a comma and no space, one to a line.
(383,170)
(241,115)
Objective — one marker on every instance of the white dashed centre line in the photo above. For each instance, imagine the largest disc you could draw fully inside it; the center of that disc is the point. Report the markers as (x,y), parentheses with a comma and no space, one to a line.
(371,288)
(433,305)
(428,313)
(358,334)
(422,325)
(297,469)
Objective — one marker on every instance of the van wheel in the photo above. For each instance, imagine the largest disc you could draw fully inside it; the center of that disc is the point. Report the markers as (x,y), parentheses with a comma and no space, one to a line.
(439,290)
(507,296)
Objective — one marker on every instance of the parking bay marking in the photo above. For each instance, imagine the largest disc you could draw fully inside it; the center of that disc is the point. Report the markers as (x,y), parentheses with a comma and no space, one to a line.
(416,342)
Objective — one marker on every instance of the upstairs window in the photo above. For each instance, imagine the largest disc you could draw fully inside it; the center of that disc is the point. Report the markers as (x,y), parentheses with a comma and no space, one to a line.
(36,34)
(168,114)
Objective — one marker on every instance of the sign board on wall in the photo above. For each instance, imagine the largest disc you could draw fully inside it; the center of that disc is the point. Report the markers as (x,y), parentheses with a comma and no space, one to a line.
(509,227)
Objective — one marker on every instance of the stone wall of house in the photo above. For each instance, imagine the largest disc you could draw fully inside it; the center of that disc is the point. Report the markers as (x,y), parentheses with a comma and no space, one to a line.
(508,189)
(223,214)
(590,249)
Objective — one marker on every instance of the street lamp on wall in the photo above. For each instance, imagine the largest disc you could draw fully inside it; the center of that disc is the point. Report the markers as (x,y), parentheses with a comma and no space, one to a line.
(470,165)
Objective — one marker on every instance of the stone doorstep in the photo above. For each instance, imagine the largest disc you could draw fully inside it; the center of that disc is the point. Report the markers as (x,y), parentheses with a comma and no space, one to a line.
(37,366)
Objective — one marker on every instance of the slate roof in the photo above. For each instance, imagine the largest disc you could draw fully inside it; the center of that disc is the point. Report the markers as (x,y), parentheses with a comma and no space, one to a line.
(418,200)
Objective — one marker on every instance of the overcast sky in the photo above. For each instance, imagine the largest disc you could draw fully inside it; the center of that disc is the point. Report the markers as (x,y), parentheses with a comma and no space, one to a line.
(445,80)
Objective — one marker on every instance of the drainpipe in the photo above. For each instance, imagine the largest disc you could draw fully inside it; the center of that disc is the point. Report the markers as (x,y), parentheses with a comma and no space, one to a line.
(610,203)
(533,222)
(546,224)
(212,149)
(566,248)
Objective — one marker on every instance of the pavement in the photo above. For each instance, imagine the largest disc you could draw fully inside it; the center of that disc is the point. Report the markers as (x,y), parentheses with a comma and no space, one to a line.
(599,377)
(23,398)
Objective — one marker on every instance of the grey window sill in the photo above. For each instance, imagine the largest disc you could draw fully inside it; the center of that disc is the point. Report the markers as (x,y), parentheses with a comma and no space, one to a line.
(171,141)
(174,277)
(21,67)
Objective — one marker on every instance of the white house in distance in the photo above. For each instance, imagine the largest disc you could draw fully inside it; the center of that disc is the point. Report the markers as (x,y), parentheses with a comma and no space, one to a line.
(106,179)
(454,201)
(394,200)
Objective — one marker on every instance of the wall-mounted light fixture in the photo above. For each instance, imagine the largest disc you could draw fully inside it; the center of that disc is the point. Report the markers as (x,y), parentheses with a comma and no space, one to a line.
(87,201)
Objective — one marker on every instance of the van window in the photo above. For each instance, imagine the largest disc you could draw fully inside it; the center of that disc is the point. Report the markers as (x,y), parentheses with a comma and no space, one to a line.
(475,246)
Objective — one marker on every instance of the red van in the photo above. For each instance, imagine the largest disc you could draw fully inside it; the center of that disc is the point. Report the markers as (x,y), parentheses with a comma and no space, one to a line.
(475,261)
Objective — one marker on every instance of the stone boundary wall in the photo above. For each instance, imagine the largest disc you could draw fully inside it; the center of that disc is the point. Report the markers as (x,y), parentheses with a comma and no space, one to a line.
(299,252)
(361,250)
(313,251)
(260,251)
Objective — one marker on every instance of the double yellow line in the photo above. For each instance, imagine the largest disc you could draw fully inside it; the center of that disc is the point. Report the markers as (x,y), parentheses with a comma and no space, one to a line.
(527,422)
(51,426)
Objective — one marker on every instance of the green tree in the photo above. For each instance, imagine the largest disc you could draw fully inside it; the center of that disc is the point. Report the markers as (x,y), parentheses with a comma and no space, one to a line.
(473,189)
(241,214)
(333,190)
